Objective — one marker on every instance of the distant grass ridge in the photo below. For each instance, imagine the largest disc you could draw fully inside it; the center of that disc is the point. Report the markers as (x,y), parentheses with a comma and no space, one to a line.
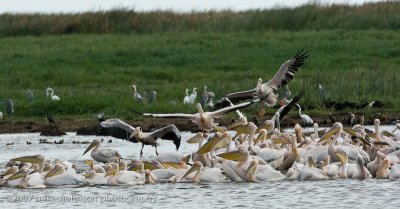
(93,73)
(382,15)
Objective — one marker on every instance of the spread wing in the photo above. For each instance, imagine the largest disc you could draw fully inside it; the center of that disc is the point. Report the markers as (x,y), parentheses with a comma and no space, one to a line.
(287,70)
(290,105)
(174,115)
(116,128)
(225,110)
(235,98)
(169,132)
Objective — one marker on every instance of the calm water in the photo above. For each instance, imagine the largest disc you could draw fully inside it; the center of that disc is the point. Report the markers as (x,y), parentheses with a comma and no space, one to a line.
(338,193)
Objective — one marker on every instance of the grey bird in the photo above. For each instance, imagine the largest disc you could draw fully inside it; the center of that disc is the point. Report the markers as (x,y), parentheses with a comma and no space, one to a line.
(9,107)
(30,95)
(152,96)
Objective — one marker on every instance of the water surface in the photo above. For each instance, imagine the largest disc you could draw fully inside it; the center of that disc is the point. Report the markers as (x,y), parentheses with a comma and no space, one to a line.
(332,194)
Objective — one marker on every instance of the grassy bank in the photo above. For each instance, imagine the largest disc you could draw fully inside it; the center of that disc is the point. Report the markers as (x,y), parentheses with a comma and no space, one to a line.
(93,73)
(383,15)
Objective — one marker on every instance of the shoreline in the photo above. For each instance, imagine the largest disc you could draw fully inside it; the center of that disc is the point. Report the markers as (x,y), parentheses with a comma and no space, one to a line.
(150,124)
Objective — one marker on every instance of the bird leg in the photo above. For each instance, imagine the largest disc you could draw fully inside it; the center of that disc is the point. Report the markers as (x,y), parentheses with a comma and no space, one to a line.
(156,149)
(141,151)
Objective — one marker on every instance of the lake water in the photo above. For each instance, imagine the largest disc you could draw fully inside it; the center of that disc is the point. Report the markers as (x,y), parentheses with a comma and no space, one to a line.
(370,193)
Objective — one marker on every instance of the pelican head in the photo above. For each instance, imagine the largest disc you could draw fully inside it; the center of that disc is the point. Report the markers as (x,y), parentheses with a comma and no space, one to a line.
(342,158)
(196,166)
(94,143)
(11,170)
(268,125)
(311,162)
(58,169)
(147,175)
(240,122)
(19,174)
(89,162)
(334,129)
(237,155)
(261,135)
(198,138)
(298,130)
(38,159)
(259,82)
(252,167)
(136,132)
(377,122)
(122,165)
(113,171)
(199,108)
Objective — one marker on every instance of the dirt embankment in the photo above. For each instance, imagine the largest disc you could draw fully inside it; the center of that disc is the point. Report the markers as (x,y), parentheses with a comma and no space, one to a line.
(68,125)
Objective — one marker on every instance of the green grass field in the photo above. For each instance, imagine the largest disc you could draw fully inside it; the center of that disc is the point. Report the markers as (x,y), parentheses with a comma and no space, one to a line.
(93,73)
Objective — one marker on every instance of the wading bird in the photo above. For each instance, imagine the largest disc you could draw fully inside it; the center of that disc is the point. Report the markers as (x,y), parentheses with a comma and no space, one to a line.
(136,96)
(305,118)
(152,96)
(9,107)
(50,93)
(30,95)
(187,98)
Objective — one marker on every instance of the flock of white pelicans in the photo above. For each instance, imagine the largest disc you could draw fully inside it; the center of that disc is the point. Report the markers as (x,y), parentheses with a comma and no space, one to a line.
(241,152)
(259,154)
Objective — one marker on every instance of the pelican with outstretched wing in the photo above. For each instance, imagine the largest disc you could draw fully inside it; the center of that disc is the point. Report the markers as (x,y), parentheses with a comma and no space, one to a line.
(116,128)
(169,132)
(205,120)
(119,129)
(264,91)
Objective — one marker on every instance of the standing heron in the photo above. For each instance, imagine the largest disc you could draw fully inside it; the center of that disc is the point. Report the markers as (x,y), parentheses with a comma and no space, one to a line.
(186,99)
(193,96)
(305,118)
(9,107)
(136,96)
(321,92)
(152,96)
(50,119)
(30,95)
(50,93)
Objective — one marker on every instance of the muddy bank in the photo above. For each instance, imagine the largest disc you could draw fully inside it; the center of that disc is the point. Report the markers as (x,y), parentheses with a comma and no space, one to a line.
(71,125)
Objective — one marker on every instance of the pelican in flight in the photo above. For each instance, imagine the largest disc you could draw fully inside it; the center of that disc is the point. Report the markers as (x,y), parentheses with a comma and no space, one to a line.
(169,132)
(264,91)
(205,120)
(102,155)
(50,93)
